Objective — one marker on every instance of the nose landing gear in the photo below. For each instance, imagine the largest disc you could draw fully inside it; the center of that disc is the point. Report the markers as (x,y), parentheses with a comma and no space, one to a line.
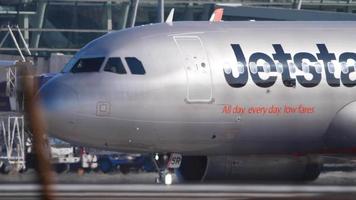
(166,165)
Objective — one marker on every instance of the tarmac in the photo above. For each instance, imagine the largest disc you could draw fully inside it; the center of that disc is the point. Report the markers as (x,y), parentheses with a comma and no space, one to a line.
(330,185)
(187,191)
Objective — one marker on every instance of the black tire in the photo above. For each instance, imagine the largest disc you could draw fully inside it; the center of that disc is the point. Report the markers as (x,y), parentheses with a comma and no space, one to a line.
(312,171)
(193,168)
(5,169)
(125,169)
(74,167)
(61,168)
(23,170)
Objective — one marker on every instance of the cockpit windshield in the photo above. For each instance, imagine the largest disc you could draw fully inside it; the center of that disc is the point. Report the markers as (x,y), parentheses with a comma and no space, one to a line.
(87,65)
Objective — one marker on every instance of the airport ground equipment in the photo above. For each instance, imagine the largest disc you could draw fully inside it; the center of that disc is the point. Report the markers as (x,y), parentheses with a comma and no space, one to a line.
(11,87)
(12,142)
(62,158)
(12,122)
(12,137)
(125,162)
(65,157)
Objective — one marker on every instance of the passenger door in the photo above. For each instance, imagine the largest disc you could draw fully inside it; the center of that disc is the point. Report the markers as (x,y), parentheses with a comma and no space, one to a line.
(197,68)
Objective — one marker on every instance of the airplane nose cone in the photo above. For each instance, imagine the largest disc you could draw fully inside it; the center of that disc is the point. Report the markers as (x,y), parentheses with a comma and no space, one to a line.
(57,97)
(60,105)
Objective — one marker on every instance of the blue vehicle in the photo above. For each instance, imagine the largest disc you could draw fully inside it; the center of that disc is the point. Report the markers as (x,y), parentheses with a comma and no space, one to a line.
(125,163)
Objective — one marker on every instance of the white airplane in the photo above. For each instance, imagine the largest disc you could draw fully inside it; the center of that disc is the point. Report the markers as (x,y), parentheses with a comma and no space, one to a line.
(217,100)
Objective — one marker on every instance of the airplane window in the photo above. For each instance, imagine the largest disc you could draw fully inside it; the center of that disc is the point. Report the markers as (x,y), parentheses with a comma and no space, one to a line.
(344,67)
(253,67)
(88,65)
(305,67)
(115,65)
(266,67)
(292,68)
(318,67)
(135,65)
(240,67)
(279,67)
(331,67)
(227,70)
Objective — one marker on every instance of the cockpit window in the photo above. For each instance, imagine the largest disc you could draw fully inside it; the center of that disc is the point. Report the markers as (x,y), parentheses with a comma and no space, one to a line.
(88,65)
(115,65)
(135,65)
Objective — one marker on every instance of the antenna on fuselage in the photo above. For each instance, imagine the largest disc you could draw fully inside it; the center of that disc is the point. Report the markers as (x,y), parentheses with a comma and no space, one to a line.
(170,16)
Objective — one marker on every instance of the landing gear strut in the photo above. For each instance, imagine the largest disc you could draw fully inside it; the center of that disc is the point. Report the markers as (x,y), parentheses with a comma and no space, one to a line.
(165,165)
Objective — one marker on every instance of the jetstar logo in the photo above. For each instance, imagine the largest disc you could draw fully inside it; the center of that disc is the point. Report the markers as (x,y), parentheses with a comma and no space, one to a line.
(303,67)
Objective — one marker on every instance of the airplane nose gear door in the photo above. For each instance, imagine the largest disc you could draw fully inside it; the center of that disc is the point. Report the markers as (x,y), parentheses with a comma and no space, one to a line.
(197,67)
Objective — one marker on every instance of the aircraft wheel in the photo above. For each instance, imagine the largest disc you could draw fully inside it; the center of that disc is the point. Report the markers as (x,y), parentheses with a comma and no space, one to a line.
(74,167)
(61,168)
(5,168)
(125,169)
(312,171)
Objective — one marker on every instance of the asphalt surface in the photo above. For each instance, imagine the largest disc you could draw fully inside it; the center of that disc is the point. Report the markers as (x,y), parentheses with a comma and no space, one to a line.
(196,191)
(332,184)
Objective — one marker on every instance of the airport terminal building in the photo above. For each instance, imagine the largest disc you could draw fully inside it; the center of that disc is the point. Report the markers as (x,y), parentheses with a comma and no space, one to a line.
(64,26)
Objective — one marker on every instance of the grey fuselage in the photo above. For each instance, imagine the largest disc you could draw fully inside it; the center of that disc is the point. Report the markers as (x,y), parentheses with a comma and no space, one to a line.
(184,102)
